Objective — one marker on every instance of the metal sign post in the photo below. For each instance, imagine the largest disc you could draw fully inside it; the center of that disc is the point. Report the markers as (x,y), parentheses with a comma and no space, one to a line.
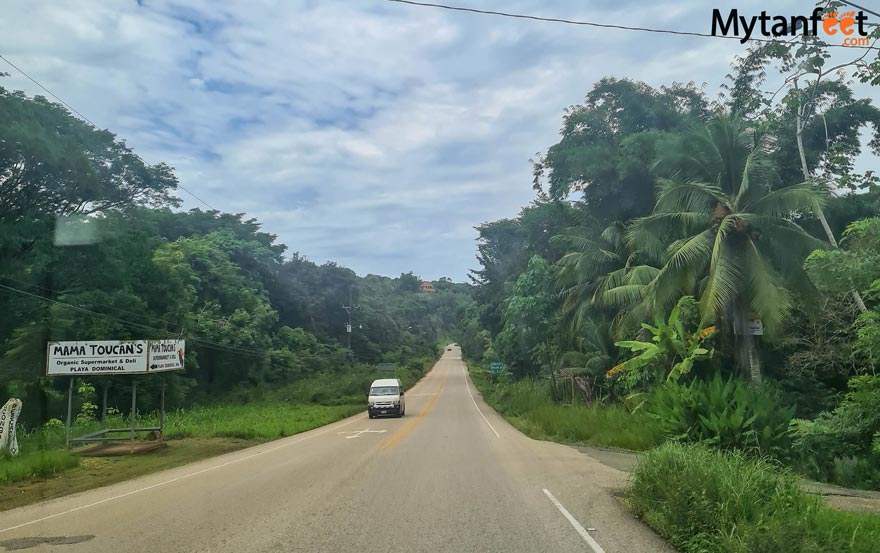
(133,413)
(69,411)
(104,406)
(162,412)
(495,368)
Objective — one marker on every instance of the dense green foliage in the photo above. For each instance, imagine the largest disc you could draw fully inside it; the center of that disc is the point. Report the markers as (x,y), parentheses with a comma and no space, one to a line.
(671,347)
(90,248)
(725,413)
(703,500)
(697,280)
(843,445)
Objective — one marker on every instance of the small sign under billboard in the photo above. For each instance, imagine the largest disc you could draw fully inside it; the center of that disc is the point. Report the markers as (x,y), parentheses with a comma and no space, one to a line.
(96,357)
(166,355)
(755,327)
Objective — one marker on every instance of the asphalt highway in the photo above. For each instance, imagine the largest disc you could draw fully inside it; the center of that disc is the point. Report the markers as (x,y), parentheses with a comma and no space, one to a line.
(450,476)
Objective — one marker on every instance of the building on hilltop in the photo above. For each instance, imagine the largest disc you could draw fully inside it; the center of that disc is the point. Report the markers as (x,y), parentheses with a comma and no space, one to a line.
(427,287)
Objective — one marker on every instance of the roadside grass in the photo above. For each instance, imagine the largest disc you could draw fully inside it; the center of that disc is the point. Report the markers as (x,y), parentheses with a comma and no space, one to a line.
(44,469)
(43,454)
(94,472)
(35,464)
(705,500)
(527,405)
(40,474)
(258,422)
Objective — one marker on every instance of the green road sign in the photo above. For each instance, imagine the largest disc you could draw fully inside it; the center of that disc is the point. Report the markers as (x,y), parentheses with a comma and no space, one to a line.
(390,367)
(496,367)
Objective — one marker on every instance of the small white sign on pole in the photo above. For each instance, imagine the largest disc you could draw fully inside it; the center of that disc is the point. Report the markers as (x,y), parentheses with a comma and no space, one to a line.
(96,357)
(166,355)
(755,327)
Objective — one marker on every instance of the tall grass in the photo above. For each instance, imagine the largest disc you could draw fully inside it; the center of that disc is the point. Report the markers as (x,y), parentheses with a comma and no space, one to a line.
(35,464)
(527,404)
(705,500)
(255,414)
(257,422)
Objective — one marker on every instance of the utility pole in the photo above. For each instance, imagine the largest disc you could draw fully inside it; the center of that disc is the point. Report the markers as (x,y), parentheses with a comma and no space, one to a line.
(349,308)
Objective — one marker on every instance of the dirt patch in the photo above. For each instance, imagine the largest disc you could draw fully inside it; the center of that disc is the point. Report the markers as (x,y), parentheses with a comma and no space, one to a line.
(845,499)
(119,448)
(620,459)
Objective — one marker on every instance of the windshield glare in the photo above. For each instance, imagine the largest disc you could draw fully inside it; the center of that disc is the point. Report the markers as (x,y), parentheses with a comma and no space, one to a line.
(383,391)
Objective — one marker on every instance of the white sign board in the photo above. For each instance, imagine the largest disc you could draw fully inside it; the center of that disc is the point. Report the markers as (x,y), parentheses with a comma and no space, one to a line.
(166,355)
(755,327)
(96,357)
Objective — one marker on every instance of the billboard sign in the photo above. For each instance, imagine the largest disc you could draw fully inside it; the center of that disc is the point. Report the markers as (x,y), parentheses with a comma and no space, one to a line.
(96,357)
(166,355)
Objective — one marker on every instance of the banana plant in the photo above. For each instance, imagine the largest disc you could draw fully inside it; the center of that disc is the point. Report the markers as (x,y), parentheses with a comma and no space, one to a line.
(670,344)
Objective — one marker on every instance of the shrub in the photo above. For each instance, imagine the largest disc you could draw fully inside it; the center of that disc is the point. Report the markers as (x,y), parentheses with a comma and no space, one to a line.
(705,500)
(725,413)
(841,446)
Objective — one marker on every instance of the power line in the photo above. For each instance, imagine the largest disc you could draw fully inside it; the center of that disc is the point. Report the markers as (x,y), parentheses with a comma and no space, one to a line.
(209,206)
(853,4)
(105,306)
(205,343)
(92,123)
(599,25)
(49,92)
(152,319)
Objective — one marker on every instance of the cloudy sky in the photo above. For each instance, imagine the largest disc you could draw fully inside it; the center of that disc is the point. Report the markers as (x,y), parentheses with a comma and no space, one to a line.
(366,132)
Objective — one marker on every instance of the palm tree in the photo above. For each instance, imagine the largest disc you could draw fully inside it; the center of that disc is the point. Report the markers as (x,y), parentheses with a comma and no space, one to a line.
(577,370)
(601,275)
(724,234)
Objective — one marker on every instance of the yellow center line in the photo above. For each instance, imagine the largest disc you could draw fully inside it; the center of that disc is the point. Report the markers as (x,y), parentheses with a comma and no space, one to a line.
(413,424)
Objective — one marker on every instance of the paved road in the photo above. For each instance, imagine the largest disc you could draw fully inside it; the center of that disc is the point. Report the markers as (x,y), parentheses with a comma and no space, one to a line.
(451,476)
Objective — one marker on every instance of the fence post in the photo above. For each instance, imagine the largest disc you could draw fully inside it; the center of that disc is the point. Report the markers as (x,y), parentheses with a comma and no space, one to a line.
(134,388)
(69,411)
(104,407)
(162,412)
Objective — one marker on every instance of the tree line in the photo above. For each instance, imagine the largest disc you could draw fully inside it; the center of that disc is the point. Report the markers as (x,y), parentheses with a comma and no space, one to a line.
(679,238)
(92,246)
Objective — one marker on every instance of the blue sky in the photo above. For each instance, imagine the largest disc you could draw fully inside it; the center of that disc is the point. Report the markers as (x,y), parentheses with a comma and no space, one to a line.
(369,133)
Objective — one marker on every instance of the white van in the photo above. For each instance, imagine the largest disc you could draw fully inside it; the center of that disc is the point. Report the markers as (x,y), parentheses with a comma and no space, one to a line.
(386,398)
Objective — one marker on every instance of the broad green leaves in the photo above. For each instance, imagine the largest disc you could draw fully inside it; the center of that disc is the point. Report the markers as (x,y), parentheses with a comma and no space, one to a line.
(721,221)
(670,347)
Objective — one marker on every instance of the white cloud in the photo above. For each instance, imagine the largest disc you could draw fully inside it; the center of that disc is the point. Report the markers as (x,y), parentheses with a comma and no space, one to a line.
(369,133)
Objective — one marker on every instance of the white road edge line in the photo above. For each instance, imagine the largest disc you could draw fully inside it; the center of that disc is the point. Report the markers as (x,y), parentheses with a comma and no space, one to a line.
(177,479)
(477,407)
(594,545)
